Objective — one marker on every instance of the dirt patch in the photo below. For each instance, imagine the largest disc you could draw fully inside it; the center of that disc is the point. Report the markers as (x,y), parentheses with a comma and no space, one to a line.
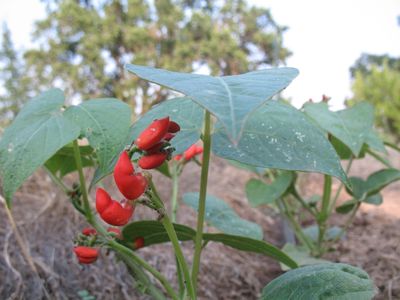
(49,224)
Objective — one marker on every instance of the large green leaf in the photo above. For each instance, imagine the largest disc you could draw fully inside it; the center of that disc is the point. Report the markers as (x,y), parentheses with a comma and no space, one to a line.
(229,98)
(327,281)
(37,133)
(279,136)
(259,192)
(182,110)
(352,126)
(154,232)
(223,217)
(63,162)
(105,123)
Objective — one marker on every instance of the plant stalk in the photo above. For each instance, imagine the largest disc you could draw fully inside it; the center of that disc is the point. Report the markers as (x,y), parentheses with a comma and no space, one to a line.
(202,197)
(82,182)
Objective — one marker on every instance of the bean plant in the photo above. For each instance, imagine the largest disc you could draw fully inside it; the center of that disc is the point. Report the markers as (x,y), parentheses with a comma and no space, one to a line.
(232,117)
(351,134)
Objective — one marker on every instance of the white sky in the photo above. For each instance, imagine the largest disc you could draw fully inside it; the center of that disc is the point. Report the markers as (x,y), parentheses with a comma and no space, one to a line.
(326,37)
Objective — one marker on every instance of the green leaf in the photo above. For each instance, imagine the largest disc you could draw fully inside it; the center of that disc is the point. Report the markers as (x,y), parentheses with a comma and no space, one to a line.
(346,207)
(300,255)
(259,192)
(63,162)
(352,126)
(154,232)
(251,245)
(321,282)
(105,123)
(380,179)
(375,199)
(246,167)
(229,98)
(363,190)
(223,217)
(375,142)
(37,133)
(182,110)
(279,136)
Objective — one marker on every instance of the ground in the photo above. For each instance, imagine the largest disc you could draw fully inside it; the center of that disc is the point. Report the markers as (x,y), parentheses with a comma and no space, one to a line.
(49,223)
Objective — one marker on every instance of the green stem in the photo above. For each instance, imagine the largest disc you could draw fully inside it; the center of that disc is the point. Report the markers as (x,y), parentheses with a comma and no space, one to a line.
(82,182)
(175,189)
(142,277)
(174,210)
(380,158)
(136,259)
(174,240)
(347,223)
(296,226)
(57,181)
(202,197)
(333,203)
(179,255)
(303,203)
(324,213)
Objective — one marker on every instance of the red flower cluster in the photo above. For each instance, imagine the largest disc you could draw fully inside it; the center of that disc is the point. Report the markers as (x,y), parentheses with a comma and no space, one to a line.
(153,139)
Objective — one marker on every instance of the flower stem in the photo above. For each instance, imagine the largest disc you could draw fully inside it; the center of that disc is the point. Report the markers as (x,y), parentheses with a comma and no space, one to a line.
(202,197)
(136,259)
(82,182)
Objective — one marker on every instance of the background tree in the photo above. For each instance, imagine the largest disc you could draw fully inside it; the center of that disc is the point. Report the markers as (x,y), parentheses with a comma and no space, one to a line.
(376,79)
(84,44)
(15,84)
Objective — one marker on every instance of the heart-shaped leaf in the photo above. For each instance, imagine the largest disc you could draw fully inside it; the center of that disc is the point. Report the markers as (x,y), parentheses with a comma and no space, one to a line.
(229,98)
(153,232)
(352,126)
(105,123)
(37,133)
(223,217)
(321,281)
(259,192)
(279,136)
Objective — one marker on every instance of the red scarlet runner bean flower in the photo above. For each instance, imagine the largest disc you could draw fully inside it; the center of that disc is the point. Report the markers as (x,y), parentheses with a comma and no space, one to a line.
(111,211)
(132,185)
(153,134)
(152,161)
(86,255)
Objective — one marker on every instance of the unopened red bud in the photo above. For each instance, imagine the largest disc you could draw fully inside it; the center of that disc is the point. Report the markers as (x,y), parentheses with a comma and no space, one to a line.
(169,136)
(138,243)
(89,231)
(86,255)
(116,231)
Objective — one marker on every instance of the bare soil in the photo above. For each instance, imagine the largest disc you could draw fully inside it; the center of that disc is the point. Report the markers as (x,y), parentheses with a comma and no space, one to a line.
(49,224)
